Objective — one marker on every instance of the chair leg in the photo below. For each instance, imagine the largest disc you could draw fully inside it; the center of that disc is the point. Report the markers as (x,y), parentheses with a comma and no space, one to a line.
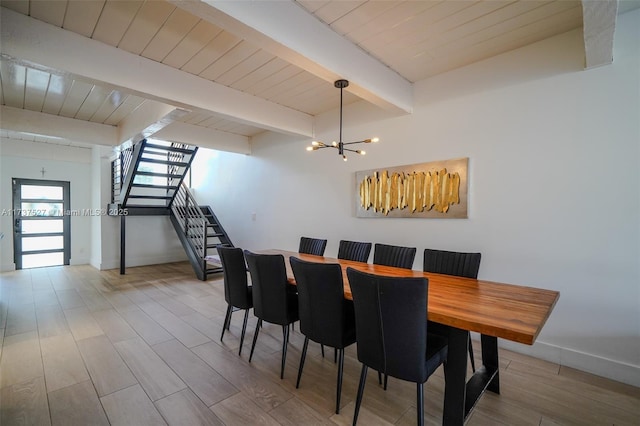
(244,328)
(322,350)
(255,338)
(285,331)
(473,363)
(386,379)
(302,358)
(340,370)
(379,378)
(420,404)
(227,319)
(363,379)
(335,355)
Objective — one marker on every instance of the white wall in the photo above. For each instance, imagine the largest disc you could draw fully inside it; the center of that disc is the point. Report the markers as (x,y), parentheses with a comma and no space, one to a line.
(554,197)
(150,240)
(94,239)
(25,159)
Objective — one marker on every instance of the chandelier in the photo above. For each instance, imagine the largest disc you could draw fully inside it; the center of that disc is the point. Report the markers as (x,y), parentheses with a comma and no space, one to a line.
(340,146)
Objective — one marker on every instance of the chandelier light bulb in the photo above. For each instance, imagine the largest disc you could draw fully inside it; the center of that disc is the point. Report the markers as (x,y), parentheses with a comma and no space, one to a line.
(374,140)
(361,152)
(334,143)
(315,143)
(344,157)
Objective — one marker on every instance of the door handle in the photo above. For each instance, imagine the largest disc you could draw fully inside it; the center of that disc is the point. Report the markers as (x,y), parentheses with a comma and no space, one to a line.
(17,226)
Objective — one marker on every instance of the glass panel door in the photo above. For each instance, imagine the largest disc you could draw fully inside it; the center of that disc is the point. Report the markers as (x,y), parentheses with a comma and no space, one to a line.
(41,225)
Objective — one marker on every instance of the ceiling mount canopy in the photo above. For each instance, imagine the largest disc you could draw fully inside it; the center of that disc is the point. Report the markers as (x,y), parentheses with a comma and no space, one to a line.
(340,145)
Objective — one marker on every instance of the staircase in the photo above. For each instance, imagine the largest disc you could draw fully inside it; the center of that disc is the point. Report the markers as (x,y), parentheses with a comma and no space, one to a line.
(199,232)
(148,179)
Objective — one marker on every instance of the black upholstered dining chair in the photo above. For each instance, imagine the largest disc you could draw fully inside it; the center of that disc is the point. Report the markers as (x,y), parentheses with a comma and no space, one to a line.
(314,246)
(354,250)
(274,299)
(455,263)
(391,329)
(237,292)
(326,317)
(398,256)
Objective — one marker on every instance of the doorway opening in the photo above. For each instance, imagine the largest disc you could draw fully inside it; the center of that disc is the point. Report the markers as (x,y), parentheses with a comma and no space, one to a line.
(41,225)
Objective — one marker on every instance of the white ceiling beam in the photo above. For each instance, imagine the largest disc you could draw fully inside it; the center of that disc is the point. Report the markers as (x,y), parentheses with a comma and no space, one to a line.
(599,25)
(287,30)
(57,127)
(147,119)
(37,42)
(204,137)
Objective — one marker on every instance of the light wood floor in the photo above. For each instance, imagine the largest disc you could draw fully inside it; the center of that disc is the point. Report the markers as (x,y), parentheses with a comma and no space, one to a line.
(84,347)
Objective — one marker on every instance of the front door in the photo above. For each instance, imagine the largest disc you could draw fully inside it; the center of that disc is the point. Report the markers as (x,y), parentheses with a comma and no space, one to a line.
(41,235)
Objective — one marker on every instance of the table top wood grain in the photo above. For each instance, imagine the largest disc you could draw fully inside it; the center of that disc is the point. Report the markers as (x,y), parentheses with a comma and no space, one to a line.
(507,311)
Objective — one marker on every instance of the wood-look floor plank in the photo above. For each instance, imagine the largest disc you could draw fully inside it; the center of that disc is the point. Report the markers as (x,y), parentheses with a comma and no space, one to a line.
(113,325)
(185,409)
(70,299)
(182,331)
(131,406)
(202,379)
(82,324)
(147,328)
(295,412)
(24,403)
(77,405)
(21,318)
(240,410)
(63,365)
(94,300)
(108,371)
(51,321)
(21,359)
(365,417)
(264,392)
(157,379)
(45,298)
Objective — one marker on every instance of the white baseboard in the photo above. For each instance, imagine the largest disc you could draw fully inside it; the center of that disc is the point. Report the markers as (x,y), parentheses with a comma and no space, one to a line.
(142,260)
(7,267)
(611,369)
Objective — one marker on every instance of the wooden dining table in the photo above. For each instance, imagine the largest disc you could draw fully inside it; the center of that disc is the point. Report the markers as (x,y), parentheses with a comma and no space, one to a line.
(495,310)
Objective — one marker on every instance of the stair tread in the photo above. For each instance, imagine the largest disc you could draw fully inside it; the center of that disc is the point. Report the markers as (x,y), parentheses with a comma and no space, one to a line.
(151,197)
(167,162)
(167,175)
(170,148)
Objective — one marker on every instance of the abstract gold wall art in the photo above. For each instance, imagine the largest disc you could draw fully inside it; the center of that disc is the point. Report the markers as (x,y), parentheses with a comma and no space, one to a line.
(436,189)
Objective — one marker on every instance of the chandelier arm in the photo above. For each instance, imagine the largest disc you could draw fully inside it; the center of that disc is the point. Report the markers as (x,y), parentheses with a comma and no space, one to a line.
(351,143)
(350,150)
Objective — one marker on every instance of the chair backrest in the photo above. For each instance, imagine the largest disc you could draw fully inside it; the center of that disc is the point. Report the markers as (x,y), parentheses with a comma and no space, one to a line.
(398,256)
(322,307)
(234,268)
(354,250)
(452,263)
(312,246)
(269,286)
(391,323)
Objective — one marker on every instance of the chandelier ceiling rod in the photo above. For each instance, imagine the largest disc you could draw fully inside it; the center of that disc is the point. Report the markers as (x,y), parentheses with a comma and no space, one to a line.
(316,145)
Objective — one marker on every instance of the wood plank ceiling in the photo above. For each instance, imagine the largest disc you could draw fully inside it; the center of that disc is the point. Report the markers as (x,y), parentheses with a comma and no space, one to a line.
(416,39)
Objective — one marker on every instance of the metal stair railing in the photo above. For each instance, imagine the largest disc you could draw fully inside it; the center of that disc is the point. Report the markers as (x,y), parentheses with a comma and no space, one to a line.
(119,168)
(192,221)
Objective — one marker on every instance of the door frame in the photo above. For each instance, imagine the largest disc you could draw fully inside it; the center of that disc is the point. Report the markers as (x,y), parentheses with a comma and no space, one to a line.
(19,215)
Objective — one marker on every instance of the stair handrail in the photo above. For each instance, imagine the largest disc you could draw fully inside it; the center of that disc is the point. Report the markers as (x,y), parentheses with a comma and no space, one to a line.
(119,167)
(192,220)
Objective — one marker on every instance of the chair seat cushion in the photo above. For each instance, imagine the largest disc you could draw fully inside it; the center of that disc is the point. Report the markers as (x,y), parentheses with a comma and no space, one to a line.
(436,352)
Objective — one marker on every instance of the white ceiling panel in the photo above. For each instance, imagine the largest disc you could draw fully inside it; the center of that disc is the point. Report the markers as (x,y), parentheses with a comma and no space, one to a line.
(414,39)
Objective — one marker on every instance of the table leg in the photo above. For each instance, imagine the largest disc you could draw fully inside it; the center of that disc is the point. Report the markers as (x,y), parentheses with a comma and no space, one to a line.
(460,395)
(490,361)
(455,378)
